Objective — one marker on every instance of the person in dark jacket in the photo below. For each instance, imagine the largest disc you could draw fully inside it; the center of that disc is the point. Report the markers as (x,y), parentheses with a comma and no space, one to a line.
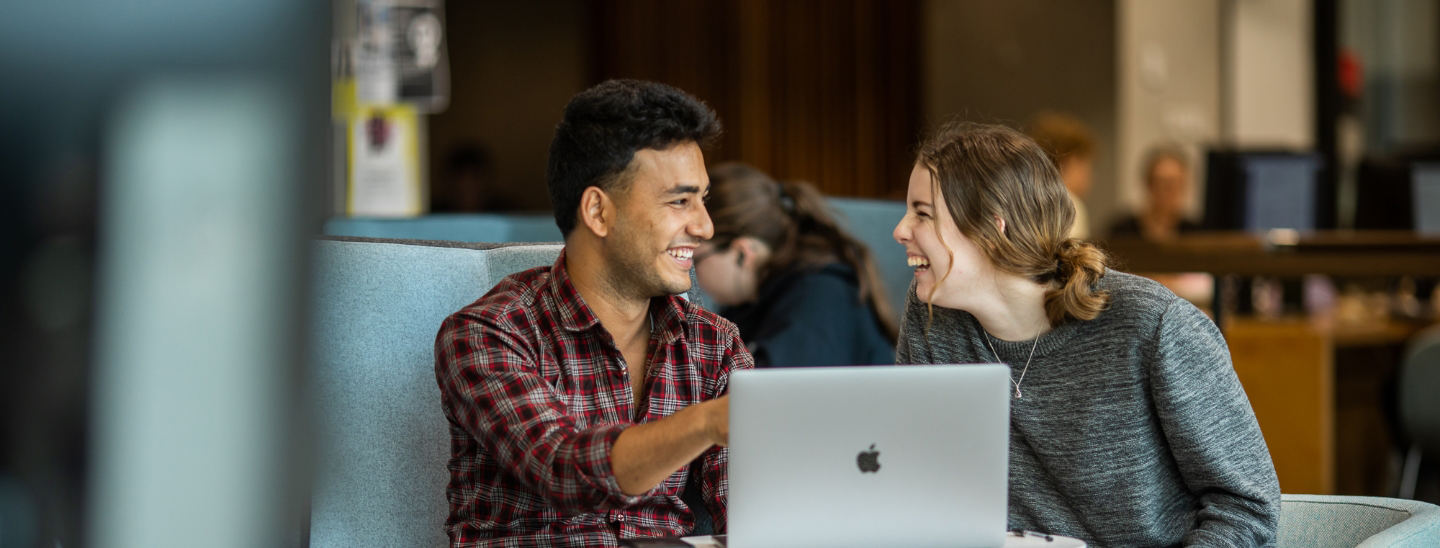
(801,290)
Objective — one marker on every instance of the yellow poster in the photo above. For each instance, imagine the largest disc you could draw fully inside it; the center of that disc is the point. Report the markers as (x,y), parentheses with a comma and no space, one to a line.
(384,166)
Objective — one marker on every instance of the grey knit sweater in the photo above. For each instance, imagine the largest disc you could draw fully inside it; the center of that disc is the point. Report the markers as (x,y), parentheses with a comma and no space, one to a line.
(1132,430)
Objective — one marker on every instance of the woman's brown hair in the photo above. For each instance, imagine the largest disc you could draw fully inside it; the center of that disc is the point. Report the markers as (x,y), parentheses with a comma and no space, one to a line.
(793,219)
(987,172)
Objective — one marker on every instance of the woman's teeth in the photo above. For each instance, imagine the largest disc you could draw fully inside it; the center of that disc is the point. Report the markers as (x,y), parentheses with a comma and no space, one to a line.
(682,254)
(918,262)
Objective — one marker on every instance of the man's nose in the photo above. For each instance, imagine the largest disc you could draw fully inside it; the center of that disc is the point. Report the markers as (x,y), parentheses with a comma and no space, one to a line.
(703,227)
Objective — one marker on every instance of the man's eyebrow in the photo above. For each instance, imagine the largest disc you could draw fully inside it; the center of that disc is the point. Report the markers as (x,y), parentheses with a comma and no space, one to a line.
(683,189)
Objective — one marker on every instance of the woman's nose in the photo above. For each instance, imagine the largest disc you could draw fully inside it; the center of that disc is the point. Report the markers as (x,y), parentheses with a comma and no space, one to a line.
(901,232)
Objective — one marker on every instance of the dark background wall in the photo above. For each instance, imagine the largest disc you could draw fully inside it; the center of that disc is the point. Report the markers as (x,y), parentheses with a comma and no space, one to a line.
(817,90)
(834,92)
(1001,62)
(513,66)
(824,91)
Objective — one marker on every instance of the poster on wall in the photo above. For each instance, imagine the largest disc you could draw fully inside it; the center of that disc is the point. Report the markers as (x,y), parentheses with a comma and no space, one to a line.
(384,162)
(399,53)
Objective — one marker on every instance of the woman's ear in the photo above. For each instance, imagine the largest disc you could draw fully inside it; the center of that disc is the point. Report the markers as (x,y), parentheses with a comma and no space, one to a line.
(751,252)
(597,211)
(744,250)
(1000,225)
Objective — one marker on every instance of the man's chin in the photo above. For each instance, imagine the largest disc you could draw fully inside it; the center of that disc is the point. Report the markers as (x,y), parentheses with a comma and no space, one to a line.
(677,289)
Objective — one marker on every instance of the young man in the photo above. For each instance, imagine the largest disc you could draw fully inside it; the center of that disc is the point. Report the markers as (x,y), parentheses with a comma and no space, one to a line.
(583,396)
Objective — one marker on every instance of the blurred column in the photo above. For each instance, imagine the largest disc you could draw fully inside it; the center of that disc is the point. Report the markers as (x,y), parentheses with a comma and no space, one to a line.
(1169,89)
(199,127)
(1269,69)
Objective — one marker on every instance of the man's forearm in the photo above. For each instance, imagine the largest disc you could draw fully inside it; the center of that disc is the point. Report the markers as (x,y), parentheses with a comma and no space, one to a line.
(645,454)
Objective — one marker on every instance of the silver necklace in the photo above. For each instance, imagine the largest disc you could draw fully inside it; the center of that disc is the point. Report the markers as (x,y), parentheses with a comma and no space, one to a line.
(1027,360)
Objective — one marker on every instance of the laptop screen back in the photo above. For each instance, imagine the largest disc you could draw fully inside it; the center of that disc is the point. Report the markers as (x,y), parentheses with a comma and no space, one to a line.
(869,456)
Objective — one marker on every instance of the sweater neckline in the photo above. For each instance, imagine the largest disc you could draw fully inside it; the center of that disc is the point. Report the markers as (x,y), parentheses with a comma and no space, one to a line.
(1051,341)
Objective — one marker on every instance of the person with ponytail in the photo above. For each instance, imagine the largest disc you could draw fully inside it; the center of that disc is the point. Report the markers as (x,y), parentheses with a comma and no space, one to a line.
(1128,425)
(801,290)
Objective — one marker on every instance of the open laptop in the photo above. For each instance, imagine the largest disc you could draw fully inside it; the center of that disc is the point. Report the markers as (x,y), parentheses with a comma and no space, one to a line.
(869,456)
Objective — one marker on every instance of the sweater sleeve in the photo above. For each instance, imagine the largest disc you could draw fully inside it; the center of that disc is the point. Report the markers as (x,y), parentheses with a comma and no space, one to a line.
(1212,433)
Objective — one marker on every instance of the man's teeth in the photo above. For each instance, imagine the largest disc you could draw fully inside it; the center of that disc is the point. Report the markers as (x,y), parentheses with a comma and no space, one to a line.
(917,261)
(682,254)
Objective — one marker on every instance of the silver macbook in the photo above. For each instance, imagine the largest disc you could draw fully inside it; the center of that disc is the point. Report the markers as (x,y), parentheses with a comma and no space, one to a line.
(869,456)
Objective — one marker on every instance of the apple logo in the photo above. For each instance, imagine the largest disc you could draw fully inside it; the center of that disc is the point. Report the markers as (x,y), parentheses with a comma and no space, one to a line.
(869,461)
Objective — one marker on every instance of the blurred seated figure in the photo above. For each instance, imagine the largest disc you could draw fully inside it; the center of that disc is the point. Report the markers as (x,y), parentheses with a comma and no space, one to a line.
(1166,172)
(801,290)
(1071,145)
(1167,191)
(469,183)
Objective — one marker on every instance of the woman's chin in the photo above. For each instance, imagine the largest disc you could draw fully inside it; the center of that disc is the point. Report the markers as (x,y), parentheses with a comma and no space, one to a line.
(922,291)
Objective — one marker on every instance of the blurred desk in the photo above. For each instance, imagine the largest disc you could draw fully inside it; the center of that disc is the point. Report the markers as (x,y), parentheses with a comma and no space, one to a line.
(1322,396)
(1285,253)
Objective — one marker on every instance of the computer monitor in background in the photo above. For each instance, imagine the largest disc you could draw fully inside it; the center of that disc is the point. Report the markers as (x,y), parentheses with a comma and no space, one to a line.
(1257,191)
(1399,192)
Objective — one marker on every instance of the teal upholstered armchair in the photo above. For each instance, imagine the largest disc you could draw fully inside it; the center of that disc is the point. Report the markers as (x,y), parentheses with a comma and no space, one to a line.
(1322,521)
(384,441)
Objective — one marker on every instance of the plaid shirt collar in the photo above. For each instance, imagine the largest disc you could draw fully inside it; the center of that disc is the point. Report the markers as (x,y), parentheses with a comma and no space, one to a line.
(576,316)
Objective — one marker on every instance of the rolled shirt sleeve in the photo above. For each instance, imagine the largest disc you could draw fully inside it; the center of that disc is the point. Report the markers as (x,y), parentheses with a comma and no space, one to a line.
(496,394)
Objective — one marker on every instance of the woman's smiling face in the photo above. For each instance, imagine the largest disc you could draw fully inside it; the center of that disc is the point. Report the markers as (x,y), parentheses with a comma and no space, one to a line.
(945,261)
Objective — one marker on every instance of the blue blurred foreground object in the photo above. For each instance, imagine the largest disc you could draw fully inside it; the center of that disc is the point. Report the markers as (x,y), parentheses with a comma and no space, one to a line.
(167,155)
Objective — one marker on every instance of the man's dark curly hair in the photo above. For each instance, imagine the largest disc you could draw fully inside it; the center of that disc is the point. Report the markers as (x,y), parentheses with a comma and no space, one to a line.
(603,128)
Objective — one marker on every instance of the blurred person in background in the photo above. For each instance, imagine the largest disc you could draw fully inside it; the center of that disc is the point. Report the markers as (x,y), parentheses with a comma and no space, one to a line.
(1166,174)
(1071,145)
(802,291)
(470,184)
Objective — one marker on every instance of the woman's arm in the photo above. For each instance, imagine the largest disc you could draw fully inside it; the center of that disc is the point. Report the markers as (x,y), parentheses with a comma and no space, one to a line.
(1212,432)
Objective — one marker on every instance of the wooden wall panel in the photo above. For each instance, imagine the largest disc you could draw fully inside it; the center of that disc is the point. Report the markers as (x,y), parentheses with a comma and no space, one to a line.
(824,91)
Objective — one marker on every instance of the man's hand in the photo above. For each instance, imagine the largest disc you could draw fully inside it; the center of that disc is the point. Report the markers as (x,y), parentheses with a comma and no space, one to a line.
(645,454)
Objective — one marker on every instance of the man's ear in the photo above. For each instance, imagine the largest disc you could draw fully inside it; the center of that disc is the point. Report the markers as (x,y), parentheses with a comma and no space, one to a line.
(597,211)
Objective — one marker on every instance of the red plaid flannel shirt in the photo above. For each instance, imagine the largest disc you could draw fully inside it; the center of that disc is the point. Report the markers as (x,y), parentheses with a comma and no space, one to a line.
(536,392)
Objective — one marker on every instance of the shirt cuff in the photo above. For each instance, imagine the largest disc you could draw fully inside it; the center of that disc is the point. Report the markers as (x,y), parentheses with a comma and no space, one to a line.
(592,451)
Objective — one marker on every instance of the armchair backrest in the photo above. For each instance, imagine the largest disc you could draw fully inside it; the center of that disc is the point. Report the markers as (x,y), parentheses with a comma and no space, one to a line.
(457,227)
(1322,521)
(383,439)
(873,222)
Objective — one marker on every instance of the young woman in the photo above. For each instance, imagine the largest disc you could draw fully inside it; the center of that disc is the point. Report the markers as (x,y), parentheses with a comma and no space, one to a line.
(801,290)
(1128,425)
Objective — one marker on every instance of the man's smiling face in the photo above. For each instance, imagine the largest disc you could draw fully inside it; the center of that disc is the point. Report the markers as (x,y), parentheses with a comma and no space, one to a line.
(661,219)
